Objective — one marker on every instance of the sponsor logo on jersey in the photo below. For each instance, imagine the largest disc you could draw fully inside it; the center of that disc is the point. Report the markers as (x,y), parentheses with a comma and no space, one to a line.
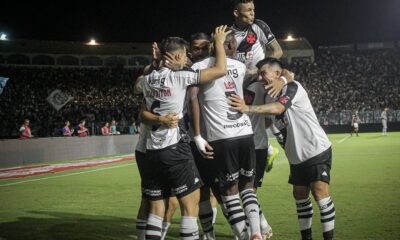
(246,123)
(249,55)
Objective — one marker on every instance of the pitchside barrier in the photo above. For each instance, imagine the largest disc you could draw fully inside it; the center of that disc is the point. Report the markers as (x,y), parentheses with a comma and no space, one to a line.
(16,152)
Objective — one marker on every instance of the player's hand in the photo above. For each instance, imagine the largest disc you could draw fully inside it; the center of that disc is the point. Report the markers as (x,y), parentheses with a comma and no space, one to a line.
(204,148)
(275,87)
(156,54)
(220,34)
(170,120)
(238,104)
(288,75)
(171,62)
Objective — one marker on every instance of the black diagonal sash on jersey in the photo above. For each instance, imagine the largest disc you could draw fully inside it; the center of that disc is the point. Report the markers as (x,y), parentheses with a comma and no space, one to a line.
(247,44)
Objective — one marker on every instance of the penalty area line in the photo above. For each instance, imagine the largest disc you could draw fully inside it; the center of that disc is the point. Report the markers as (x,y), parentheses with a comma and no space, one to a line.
(65,175)
(343,139)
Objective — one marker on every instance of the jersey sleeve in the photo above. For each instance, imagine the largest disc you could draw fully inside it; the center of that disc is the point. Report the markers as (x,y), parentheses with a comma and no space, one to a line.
(188,78)
(266,36)
(22,129)
(288,96)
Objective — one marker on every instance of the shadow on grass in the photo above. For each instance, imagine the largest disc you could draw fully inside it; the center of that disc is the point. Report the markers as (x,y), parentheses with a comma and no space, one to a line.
(59,226)
(67,226)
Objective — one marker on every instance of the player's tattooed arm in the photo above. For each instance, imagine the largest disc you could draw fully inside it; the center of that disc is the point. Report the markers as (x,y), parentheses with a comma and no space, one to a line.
(275,49)
(170,120)
(239,105)
(220,68)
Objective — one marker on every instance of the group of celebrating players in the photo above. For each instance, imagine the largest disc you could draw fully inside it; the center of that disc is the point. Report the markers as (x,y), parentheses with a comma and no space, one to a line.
(207,105)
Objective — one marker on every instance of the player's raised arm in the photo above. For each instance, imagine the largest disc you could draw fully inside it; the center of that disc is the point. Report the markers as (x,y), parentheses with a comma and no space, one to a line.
(220,68)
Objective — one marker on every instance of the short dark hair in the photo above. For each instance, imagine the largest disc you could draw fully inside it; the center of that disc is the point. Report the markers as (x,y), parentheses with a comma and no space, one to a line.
(200,36)
(172,44)
(235,3)
(270,61)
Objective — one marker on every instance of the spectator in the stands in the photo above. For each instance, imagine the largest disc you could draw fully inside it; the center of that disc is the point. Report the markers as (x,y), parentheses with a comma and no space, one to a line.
(24,130)
(82,130)
(113,129)
(105,130)
(67,132)
(132,128)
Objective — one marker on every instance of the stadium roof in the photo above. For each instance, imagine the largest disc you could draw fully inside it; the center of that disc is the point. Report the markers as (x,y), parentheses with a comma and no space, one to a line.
(80,48)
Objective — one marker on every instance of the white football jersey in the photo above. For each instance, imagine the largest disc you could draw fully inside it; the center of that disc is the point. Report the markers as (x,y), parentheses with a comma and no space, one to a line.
(251,42)
(255,94)
(165,91)
(221,121)
(304,138)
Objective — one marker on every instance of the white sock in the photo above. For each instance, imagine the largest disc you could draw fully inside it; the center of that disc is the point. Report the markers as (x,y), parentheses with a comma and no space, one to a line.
(141,228)
(327,211)
(165,227)
(251,209)
(270,150)
(304,213)
(215,212)
(189,229)
(154,227)
(235,213)
(263,221)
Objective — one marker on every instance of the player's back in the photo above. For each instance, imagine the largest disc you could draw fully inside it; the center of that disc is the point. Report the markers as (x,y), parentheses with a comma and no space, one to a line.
(304,136)
(221,121)
(165,92)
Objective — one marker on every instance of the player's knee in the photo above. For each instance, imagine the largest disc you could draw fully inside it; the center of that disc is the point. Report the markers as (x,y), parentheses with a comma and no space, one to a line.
(144,209)
(319,192)
(190,204)
(204,194)
(173,204)
(300,193)
(157,208)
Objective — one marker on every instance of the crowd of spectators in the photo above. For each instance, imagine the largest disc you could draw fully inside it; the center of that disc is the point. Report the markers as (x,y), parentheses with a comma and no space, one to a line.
(336,82)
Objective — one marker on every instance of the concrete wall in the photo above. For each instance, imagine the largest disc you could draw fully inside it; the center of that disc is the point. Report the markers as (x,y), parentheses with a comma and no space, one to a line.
(18,152)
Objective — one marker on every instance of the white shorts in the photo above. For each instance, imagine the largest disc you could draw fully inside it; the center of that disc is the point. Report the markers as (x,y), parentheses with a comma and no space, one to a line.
(384,123)
(355,125)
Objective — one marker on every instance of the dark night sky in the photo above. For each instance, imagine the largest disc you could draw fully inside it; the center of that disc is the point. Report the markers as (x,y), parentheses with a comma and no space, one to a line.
(321,21)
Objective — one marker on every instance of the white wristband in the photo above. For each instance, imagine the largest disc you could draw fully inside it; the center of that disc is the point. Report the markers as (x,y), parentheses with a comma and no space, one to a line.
(284,79)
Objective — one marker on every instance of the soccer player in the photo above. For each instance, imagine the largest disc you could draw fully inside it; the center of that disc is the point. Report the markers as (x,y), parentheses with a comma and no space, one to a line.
(384,121)
(169,165)
(255,94)
(231,137)
(25,131)
(306,145)
(355,120)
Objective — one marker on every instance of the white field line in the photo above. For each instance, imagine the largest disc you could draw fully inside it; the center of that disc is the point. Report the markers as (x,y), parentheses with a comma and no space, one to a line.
(344,139)
(65,175)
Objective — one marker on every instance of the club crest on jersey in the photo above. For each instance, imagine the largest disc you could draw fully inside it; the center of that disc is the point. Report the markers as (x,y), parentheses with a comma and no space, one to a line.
(251,38)
(283,99)
(230,85)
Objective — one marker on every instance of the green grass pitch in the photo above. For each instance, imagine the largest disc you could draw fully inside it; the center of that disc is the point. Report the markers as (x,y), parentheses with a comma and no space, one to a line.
(102,202)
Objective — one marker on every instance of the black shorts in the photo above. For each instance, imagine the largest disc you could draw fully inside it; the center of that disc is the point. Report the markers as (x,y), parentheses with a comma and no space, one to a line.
(170,171)
(261,165)
(140,159)
(235,159)
(207,167)
(315,169)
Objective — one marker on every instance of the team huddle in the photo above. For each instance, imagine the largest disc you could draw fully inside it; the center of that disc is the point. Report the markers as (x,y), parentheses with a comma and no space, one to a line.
(204,119)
